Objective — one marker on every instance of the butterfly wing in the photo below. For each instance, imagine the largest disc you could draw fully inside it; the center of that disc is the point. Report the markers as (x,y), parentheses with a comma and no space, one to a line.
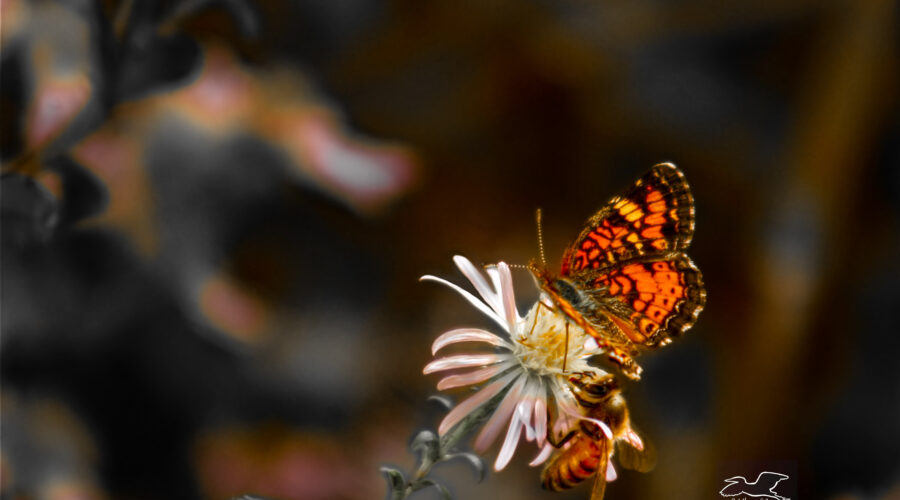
(652,300)
(656,215)
(629,259)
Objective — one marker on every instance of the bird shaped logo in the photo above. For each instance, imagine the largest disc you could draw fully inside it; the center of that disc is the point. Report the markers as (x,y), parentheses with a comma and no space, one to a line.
(763,487)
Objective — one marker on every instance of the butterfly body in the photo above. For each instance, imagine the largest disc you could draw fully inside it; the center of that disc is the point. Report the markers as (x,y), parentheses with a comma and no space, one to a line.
(626,280)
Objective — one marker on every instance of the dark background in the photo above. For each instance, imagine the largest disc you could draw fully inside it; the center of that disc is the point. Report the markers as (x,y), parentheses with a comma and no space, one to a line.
(214,215)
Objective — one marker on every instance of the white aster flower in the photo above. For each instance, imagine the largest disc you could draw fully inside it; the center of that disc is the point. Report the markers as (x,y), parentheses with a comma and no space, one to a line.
(531,362)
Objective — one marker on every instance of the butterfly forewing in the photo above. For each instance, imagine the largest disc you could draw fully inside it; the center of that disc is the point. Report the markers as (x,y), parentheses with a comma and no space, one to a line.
(655,216)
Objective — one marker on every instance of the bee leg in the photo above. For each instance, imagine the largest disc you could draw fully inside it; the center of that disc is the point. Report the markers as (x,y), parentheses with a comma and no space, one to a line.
(563,441)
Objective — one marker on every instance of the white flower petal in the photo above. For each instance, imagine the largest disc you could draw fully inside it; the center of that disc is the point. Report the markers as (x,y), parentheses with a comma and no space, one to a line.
(503,413)
(468,335)
(562,425)
(476,400)
(563,421)
(477,279)
(481,306)
(510,442)
(462,361)
(540,417)
(508,296)
(494,274)
(611,472)
(474,377)
(543,455)
(525,407)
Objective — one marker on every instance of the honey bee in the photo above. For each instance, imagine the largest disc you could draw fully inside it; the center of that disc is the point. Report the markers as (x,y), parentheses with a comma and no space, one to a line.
(586,451)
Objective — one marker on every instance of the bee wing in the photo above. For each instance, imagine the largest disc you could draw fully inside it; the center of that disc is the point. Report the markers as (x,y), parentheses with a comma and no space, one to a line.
(599,488)
(640,459)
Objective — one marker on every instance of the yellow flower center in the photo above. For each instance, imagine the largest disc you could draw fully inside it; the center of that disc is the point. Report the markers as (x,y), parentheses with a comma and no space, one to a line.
(547,344)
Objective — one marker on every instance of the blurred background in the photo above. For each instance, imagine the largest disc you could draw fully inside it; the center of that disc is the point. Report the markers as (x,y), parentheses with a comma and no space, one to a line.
(215,212)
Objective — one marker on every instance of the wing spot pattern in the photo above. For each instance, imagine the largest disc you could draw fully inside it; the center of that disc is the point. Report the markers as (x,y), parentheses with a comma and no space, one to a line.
(648,327)
(657,207)
(652,232)
(656,313)
(654,195)
(655,219)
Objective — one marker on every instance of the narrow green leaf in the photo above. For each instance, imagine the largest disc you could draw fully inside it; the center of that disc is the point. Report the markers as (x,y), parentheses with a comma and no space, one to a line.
(444,401)
(472,421)
(445,493)
(428,444)
(474,460)
(394,478)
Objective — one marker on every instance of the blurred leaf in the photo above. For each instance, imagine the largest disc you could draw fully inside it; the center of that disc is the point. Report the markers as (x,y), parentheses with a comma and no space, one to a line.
(444,401)
(30,212)
(428,444)
(82,193)
(395,480)
(424,483)
(473,459)
(241,10)
(472,421)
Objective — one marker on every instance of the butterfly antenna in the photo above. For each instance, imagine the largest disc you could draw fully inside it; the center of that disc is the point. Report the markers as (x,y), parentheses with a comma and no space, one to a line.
(540,235)
(566,355)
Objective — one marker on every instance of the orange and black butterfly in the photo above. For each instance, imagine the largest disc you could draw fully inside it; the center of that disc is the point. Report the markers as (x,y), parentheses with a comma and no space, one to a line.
(626,280)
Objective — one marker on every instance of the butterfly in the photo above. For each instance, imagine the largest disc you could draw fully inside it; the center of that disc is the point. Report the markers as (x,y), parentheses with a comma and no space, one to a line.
(626,280)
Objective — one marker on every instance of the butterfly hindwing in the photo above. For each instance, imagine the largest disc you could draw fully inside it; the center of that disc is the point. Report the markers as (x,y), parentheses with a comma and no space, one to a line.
(651,300)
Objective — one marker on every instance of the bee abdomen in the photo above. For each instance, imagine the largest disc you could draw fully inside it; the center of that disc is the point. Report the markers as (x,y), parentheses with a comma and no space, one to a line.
(572,466)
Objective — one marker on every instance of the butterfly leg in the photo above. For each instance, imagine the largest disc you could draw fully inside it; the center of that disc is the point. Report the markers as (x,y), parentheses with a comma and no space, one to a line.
(615,354)
(534,323)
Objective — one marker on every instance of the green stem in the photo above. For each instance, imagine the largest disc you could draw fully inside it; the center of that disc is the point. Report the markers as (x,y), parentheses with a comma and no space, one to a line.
(446,447)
